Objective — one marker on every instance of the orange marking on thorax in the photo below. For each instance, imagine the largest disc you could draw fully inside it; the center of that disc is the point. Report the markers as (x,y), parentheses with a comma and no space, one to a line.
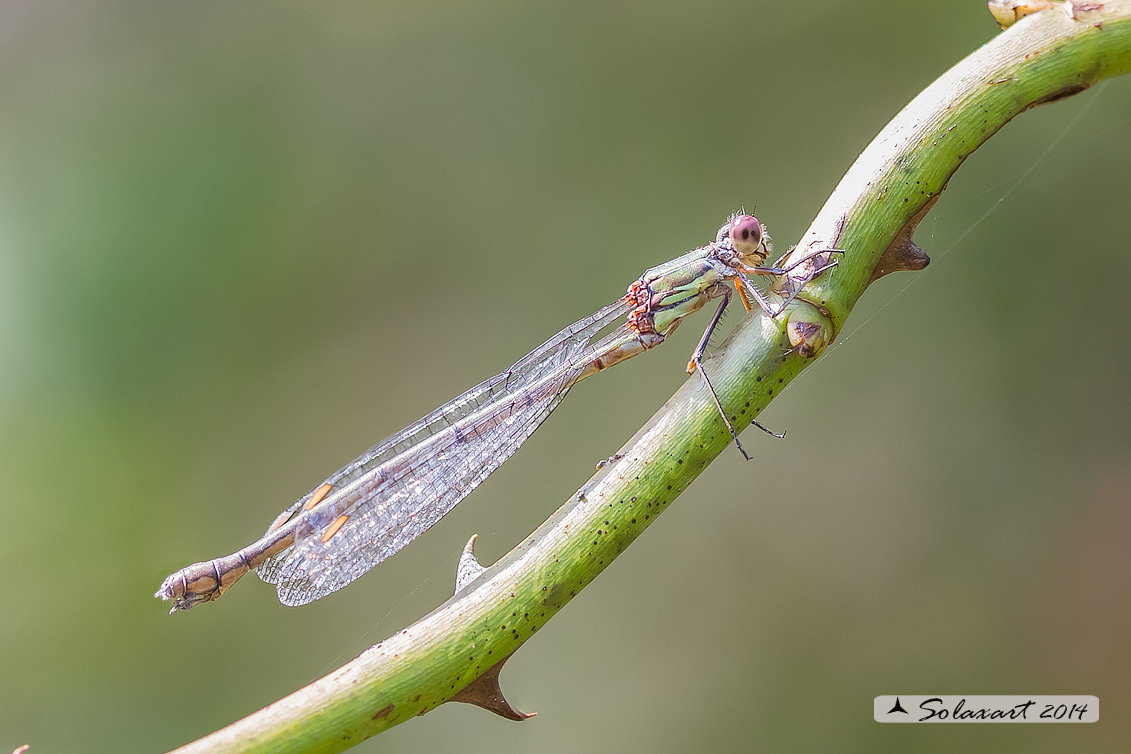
(318,496)
(338,523)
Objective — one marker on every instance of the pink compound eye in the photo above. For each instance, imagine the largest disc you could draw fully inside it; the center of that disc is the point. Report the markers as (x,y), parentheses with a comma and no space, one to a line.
(746,235)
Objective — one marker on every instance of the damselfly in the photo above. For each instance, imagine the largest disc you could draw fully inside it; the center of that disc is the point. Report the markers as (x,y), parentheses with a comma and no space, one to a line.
(393,493)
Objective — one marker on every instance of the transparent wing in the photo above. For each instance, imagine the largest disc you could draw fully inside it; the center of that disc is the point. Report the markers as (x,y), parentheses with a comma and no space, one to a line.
(387,449)
(405,484)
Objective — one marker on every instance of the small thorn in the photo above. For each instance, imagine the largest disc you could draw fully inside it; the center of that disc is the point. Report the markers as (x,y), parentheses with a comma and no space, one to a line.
(485,692)
(469,568)
(902,254)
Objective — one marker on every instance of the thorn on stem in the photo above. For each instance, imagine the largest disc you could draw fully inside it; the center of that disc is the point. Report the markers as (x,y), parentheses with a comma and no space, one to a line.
(469,568)
(902,253)
(485,692)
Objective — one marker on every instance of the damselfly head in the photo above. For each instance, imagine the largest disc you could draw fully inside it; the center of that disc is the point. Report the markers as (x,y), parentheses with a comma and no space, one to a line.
(748,237)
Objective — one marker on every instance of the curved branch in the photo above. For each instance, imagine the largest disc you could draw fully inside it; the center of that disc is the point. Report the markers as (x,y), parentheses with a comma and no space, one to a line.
(456,651)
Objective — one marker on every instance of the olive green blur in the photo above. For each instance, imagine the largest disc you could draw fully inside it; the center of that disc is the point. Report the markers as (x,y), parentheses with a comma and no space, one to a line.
(240,243)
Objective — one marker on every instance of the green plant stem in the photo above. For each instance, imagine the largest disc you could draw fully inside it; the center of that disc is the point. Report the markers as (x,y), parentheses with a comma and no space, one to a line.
(1040,58)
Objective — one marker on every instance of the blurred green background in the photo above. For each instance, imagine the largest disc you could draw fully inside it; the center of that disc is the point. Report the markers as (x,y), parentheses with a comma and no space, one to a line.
(240,243)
